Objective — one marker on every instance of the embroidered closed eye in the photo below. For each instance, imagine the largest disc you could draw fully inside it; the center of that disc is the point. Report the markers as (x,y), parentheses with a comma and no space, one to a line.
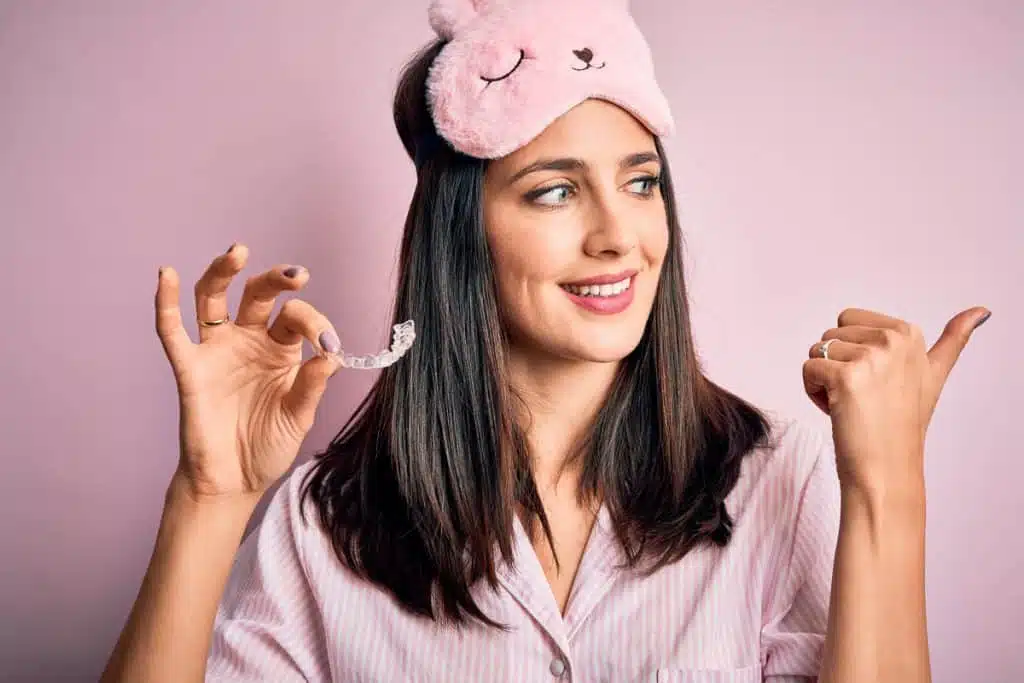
(522,56)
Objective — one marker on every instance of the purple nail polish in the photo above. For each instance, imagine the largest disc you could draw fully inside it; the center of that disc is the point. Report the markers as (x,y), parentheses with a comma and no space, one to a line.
(230,249)
(292,271)
(329,341)
(983,319)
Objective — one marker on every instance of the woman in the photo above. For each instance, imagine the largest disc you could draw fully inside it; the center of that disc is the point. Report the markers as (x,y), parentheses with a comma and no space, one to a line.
(546,486)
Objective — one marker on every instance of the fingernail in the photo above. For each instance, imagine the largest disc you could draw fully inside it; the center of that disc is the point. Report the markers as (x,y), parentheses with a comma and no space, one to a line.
(329,341)
(983,319)
(292,271)
(160,273)
(231,248)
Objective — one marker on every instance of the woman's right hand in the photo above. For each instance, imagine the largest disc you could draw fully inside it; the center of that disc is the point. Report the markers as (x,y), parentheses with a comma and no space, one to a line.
(246,398)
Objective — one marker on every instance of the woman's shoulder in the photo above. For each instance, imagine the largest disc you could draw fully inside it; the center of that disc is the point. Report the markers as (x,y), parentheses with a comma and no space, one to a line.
(300,510)
(293,519)
(778,470)
(792,445)
(291,533)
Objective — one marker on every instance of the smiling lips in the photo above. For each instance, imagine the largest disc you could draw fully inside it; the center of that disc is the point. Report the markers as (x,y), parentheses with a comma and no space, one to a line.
(605,290)
(606,294)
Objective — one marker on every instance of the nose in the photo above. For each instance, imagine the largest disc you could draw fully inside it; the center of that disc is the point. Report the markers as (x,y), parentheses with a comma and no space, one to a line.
(586,54)
(613,232)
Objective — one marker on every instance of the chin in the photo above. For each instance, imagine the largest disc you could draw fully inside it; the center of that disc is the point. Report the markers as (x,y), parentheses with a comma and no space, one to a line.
(603,356)
(611,349)
(597,341)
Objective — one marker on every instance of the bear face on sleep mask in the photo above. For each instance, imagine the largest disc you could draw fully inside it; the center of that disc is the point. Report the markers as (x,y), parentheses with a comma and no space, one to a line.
(511,67)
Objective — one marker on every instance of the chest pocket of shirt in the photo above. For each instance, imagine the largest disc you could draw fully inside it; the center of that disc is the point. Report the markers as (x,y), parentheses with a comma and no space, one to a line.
(749,674)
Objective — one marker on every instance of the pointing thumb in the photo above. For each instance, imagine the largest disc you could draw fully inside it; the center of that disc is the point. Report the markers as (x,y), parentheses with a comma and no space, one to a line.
(946,351)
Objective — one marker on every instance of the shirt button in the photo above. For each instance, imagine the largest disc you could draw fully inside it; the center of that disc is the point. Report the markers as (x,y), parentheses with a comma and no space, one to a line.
(557,667)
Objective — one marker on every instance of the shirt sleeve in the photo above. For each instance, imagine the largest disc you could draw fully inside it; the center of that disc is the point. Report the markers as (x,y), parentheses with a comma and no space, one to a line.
(268,626)
(793,638)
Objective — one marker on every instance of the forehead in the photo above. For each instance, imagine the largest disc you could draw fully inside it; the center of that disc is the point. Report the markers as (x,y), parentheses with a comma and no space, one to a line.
(595,130)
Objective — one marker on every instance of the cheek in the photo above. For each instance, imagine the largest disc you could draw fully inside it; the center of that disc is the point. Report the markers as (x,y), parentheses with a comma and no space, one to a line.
(527,267)
(529,252)
(655,240)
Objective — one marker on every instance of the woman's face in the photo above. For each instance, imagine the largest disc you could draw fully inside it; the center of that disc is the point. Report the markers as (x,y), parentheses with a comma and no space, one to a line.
(580,201)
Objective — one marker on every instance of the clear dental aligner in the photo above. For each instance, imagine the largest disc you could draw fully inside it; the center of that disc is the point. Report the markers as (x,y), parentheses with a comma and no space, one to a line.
(402,337)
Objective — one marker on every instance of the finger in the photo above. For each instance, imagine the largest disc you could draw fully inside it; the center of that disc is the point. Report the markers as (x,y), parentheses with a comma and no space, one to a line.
(173,336)
(862,317)
(211,289)
(261,292)
(298,319)
(946,351)
(838,350)
(304,396)
(821,381)
(857,334)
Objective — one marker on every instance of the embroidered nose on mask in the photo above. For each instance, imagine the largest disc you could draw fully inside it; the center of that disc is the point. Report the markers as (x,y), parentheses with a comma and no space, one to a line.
(586,54)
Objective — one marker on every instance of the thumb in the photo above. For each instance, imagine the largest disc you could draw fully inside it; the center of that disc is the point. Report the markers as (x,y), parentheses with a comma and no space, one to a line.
(306,391)
(954,338)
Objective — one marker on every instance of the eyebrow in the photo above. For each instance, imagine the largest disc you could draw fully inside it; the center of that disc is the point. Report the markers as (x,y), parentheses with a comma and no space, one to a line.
(573,164)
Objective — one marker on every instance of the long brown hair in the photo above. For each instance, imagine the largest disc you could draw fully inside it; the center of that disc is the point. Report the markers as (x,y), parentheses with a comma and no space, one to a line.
(421,484)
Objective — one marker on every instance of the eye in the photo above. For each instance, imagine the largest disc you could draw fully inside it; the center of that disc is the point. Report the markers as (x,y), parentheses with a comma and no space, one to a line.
(522,56)
(553,198)
(653,183)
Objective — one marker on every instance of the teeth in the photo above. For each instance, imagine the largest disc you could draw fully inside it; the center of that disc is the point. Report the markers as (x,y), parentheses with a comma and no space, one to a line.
(599,290)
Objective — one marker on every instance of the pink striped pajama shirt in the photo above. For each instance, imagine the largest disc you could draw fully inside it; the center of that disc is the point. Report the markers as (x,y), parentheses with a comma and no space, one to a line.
(753,611)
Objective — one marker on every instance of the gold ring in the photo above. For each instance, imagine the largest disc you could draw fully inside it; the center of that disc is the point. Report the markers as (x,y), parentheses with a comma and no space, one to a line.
(214,323)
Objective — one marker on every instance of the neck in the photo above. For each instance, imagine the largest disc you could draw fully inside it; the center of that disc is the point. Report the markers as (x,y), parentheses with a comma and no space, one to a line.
(561,399)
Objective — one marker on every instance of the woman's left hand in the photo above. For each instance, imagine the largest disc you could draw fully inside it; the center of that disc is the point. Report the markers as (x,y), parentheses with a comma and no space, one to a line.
(880,385)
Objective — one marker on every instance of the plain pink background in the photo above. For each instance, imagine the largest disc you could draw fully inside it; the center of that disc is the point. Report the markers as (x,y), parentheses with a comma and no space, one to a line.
(829,155)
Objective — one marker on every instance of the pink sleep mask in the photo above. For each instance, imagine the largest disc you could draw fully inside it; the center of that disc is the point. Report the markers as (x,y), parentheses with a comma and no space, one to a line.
(514,66)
